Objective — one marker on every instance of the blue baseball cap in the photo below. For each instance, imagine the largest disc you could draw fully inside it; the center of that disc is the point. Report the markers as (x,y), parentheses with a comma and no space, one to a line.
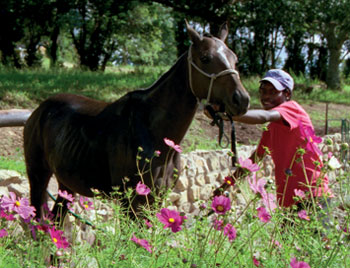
(279,79)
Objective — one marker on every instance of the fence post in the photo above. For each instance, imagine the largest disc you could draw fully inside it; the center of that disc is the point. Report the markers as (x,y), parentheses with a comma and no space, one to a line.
(326,119)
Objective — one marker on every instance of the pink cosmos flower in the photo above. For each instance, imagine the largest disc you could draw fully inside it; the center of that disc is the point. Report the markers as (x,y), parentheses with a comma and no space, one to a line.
(142,189)
(248,164)
(329,155)
(230,232)
(57,238)
(203,206)
(172,144)
(171,219)
(86,203)
(148,224)
(276,243)
(157,153)
(345,228)
(263,215)
(257,186)
(311,139)
(229,180)
(221,204)
(70,206)
(218,224)
(302,214)
(269,201)
(142,242)
(256,262)
(299,193)
(66,195)
(45,227)
(20,206)
(3,233)
(295,264)
(6,216)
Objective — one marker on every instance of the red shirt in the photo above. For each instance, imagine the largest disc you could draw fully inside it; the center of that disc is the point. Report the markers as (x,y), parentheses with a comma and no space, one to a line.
(283,138)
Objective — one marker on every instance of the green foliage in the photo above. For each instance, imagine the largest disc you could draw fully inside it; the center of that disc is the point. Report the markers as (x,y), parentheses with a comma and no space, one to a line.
(7,259)
(11,164)
(148,38)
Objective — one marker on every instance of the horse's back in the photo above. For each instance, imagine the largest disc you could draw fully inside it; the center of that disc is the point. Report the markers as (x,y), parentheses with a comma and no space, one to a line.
(70,134)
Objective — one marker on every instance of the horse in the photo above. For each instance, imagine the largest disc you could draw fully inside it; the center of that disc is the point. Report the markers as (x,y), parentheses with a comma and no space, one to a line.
(89,144)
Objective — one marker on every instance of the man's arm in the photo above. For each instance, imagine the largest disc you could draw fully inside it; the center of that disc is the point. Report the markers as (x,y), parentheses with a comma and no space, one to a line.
(258,116)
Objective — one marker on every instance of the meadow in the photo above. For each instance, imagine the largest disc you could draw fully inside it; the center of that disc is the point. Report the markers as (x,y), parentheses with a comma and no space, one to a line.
(249,233)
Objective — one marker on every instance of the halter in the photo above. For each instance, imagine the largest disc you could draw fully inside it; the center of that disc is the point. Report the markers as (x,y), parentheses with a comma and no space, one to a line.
(211,76)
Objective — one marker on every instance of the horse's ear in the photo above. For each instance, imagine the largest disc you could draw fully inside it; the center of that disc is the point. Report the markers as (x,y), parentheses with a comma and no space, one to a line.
(194,36)
(223,32)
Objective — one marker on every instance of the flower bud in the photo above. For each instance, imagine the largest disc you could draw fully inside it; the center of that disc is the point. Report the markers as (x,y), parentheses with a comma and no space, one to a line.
(288,172)
(301,151)
(329,141)
(344,146)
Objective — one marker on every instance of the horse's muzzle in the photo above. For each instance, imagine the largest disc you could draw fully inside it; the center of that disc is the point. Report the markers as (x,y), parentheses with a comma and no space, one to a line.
(239,103)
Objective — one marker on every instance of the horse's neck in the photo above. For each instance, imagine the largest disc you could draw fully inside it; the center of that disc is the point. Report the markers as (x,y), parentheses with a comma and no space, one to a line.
(175,105)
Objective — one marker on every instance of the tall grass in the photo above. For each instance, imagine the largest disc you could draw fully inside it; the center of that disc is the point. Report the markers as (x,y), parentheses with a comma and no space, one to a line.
(236,235)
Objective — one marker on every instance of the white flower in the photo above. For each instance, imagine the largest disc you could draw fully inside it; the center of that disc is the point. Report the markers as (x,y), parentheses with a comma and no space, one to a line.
(333,163)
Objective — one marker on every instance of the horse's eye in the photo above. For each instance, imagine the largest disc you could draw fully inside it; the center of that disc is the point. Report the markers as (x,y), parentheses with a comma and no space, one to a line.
(205,59)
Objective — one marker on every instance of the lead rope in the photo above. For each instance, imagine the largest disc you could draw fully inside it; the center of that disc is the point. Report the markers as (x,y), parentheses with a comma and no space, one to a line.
(233,143)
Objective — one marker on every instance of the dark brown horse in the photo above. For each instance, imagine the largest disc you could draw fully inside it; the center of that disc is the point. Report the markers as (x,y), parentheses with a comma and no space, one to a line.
(92,144)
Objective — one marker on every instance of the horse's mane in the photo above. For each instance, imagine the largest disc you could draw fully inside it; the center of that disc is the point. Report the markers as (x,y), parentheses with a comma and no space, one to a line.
(166,74)
(208,35)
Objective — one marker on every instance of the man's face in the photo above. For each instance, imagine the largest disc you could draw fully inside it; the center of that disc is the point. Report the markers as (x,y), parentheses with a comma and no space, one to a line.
(270,97)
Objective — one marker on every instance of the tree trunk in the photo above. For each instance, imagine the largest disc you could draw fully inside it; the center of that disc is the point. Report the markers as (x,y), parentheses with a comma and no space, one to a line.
(334,43)
(333,76)
(53,46)
(32,59)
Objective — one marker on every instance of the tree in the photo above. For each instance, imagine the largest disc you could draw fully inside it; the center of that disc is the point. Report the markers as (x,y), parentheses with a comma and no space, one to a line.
(331,19)
(214,13)
(258,38)
(146,36)
(92,25)
(294,32)
(10,32)
(36,23)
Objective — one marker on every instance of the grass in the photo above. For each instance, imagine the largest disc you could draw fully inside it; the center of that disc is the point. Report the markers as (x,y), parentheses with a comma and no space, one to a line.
(13,164)
(27,88)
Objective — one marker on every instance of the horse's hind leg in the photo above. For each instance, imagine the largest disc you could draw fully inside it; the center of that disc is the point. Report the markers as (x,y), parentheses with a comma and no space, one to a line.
(39,178)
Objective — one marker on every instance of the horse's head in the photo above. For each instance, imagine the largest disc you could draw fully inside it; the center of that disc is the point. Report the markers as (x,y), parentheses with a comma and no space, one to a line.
(212,72)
